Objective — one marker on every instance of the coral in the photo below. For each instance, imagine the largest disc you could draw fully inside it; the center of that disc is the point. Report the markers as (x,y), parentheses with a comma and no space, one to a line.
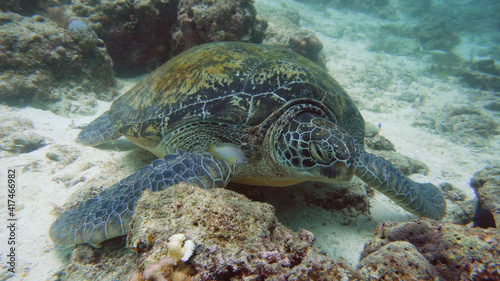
(138,34)
(210,21)
(379,142)
(488,66)
(486,183)
(235,237)
(486,272)
(180,249)
(141,35)
(349,198)
(307,44)
(452,193)
(481,80)
(40,63)
(29,8)
(469,124)
(284,30)
(239,239)
(462,211)
(397,260)
(88,263)
(164,270)
(83,35)
(453,250)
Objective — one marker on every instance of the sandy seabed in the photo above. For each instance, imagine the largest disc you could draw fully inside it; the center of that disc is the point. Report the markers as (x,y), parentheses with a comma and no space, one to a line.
(374,80)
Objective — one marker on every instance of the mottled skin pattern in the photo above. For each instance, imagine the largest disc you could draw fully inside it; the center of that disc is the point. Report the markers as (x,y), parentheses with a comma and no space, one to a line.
(292,120)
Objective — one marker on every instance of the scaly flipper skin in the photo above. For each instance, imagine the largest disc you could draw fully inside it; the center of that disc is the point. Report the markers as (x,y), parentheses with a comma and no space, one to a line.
(108,215)
(99,131)
(421,199)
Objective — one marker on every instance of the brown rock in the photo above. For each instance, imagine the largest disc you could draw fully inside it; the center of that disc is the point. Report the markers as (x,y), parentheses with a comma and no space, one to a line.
(212,21)
(234,238)
(284,30)
(379,142)
(398,260)
(454,250)
(486,183)
(40,64)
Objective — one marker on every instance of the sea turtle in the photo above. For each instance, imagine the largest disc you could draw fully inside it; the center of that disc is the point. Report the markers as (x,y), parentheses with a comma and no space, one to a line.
(291,119)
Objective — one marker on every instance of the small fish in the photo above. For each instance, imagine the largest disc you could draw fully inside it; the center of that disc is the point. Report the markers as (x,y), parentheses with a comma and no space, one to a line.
(228,152)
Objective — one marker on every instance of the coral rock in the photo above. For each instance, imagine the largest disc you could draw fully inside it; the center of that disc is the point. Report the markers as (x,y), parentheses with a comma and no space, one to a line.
(38,59)
(284,30)
(398,260)
(453,250)
(235,237)
(211,21)
(486,183)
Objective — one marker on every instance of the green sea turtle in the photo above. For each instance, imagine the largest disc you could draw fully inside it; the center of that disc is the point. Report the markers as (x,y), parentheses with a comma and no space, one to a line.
(291,119)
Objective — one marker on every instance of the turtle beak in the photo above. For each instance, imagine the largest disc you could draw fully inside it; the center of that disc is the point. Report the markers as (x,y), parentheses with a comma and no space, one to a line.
(338,171)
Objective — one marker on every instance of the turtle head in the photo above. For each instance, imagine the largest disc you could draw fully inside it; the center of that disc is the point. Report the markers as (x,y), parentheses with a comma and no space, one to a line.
(317,149)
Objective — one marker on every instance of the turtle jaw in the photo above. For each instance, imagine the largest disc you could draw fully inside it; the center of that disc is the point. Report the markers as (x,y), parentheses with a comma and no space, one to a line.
(336,172)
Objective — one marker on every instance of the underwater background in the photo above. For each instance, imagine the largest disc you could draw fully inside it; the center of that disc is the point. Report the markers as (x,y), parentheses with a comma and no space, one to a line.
(424,75)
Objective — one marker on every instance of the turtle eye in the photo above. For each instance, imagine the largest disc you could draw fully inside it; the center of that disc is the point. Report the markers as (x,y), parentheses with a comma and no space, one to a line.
(321,152)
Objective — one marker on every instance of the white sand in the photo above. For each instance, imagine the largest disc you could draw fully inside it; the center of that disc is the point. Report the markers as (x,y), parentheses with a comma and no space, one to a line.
(372,79)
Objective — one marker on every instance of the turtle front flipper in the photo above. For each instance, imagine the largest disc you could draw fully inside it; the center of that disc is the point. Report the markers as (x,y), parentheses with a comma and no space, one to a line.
(109,214)
(99,131)
(421,199)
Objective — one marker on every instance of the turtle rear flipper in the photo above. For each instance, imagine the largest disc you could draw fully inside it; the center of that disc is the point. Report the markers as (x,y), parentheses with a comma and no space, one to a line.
(99,131)
(109,214)
(421,199)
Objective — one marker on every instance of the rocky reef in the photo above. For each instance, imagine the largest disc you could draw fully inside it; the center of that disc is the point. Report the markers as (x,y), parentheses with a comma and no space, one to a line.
(188,233)
(141,35)
(425,249)
(41,64)
(486,183)
(211,21)
(283,28)
(234,239)
(64,55)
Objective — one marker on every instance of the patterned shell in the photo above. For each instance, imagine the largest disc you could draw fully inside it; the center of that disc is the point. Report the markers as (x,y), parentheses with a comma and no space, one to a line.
(229,82)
